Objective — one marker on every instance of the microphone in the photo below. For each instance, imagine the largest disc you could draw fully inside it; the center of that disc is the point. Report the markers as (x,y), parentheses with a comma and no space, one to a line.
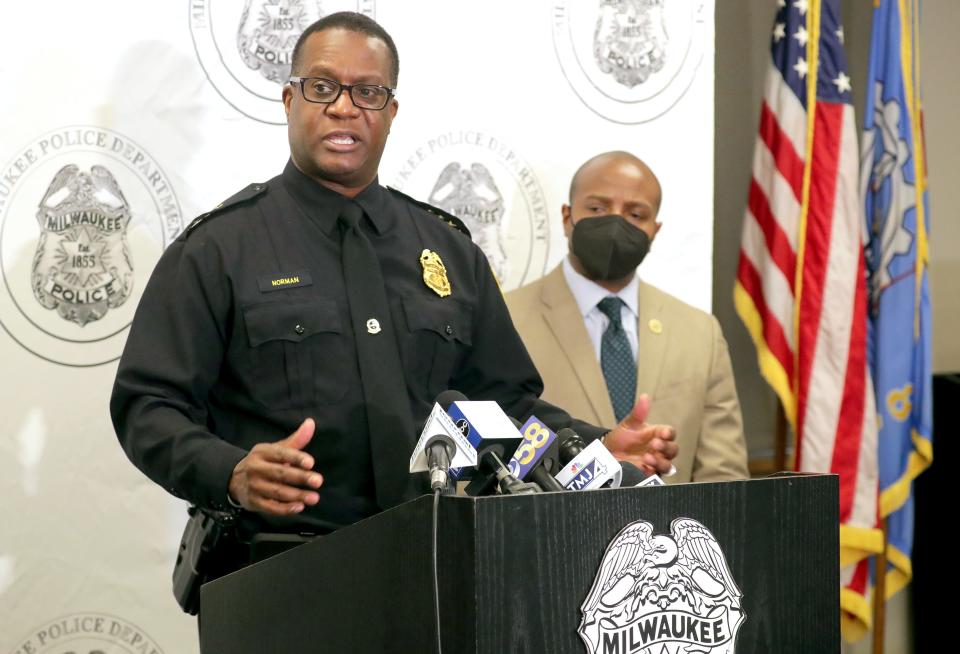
(493,466)
(570,445)
(440,450)
(484,425)
(537,458)
(634,476)
(652,480)
(545,476)
(440,447)
(448,397)
(631,474)
(585,468)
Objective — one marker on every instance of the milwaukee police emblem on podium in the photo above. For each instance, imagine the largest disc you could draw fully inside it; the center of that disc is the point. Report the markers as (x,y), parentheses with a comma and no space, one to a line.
(663,594)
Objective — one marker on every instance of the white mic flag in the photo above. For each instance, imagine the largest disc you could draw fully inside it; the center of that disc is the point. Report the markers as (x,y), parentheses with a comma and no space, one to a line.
(440,423)
(591,469)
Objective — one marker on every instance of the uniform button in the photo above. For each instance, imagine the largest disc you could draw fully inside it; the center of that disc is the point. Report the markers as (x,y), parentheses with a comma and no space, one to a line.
(299,329)
(449,330)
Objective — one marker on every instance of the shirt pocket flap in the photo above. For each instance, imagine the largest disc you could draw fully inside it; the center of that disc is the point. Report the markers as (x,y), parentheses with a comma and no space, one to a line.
(447,319)
(290,321)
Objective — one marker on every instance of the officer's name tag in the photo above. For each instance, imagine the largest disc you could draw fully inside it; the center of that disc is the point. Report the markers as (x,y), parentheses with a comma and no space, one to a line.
(283,280)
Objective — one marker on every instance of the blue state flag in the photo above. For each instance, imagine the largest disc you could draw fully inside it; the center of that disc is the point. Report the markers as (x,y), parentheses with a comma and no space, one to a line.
(893,185)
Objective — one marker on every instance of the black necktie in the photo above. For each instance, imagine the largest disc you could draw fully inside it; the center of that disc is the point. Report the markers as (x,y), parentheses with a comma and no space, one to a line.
(389,419)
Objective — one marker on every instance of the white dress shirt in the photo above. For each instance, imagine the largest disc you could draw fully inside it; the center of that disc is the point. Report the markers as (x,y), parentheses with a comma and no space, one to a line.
(588,293)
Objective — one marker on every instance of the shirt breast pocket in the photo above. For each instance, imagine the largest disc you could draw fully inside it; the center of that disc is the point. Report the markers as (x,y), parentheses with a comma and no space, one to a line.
(297,353)
(438,335)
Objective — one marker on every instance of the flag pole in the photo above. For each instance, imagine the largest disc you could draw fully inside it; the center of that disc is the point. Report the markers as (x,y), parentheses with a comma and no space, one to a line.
(880,594)
(880,584)
(780,440)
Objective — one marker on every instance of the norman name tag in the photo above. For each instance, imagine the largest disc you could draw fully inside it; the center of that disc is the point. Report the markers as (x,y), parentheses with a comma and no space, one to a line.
(283,280)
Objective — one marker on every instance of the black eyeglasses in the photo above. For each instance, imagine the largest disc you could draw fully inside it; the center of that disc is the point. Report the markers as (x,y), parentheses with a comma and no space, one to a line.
(326,91)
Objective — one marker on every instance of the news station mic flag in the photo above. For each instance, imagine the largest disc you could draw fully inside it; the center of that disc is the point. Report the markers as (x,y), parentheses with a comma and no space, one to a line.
(894,188)
(800,287)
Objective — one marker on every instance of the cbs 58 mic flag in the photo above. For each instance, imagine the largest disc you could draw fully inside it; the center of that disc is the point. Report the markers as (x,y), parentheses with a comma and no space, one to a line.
(801,281)
(894,189)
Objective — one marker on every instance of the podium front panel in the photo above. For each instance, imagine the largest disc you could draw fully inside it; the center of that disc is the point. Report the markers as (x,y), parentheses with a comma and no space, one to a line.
(744,567)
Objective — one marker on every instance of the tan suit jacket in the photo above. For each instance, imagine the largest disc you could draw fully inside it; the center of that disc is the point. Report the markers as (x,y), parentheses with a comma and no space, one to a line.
(683,364)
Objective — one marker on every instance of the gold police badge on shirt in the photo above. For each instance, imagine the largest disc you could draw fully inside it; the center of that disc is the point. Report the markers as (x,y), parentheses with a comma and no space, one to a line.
(434,273)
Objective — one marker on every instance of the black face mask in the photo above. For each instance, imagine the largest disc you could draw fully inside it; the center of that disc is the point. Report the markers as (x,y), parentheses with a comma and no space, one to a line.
(608,247)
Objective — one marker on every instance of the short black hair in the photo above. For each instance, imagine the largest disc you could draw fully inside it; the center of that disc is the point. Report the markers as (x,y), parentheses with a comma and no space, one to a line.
(352,22)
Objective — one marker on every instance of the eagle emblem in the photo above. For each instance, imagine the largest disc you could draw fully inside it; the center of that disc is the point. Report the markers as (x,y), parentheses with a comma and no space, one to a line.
(673,592)
(471,194)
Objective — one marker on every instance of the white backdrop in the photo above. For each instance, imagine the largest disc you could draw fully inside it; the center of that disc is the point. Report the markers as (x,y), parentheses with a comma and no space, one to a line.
(165,108)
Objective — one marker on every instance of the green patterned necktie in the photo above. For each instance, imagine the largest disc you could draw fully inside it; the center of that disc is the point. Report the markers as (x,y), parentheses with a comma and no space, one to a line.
(616,359)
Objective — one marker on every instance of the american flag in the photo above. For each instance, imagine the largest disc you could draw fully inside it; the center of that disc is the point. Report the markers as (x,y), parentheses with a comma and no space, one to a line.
(800,286)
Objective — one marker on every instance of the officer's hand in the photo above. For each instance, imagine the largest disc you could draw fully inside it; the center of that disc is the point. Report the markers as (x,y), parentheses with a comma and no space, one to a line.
(278,478)
(649,447)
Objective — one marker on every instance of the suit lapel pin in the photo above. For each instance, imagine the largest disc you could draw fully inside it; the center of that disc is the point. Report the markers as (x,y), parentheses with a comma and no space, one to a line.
(655,326)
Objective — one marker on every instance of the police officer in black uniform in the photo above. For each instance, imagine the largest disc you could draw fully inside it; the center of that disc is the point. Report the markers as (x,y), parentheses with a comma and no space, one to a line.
(248,378)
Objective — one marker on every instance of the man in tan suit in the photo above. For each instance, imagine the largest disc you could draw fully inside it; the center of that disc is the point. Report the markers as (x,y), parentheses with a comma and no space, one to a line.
(601,338)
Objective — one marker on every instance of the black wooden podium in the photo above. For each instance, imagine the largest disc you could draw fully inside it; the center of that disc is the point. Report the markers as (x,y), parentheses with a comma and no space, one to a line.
(514,572)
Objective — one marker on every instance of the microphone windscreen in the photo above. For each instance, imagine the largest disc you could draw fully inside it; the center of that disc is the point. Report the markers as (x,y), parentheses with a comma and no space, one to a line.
(569,444)
(632,475)
(446,398)
(567,434)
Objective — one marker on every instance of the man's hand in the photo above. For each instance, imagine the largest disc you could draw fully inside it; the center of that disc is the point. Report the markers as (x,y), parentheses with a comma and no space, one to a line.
(649,447)
(278,478)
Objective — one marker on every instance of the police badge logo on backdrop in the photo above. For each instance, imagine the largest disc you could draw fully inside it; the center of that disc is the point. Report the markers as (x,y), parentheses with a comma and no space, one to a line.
(81,633)
(245,48)
(83,267)
(471,194)
(664,594)
(484,182)
(629,61)
(85,213)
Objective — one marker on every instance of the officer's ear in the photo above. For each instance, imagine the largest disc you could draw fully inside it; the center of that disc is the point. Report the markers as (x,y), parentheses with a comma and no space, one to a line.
(567,220)
(287,96)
